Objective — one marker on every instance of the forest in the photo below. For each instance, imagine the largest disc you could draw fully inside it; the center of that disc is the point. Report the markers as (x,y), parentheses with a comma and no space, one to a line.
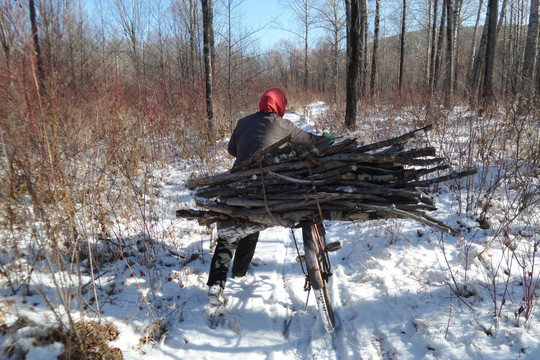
(149,56)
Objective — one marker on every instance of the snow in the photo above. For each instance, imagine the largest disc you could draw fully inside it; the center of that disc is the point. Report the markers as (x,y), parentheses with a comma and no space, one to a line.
(394,292)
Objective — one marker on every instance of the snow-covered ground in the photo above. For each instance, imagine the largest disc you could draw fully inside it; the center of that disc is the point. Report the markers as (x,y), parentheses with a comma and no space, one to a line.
(392,292)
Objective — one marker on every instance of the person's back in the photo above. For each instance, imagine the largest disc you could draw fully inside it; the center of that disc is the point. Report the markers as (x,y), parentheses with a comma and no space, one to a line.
(260,130)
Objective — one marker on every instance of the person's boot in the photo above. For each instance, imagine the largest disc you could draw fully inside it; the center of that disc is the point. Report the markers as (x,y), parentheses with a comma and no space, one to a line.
(215,295)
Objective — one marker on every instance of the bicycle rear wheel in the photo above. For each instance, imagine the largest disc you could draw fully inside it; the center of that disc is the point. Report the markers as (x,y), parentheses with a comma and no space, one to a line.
(318,271)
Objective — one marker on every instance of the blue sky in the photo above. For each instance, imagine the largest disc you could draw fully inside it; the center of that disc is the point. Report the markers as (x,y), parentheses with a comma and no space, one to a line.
(270,15)
(273,16)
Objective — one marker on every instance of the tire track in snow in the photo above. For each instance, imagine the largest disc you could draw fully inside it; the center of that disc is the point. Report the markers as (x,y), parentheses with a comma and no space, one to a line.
(352,337)
(306,328)
(289,281)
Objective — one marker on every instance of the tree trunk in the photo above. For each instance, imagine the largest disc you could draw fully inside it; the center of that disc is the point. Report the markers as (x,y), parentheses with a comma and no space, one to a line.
(476,78)
(306,45)
(492,17)
(301,10)
(192,37)
(428,43)
(337,23)
(402,45)
(363,47)
(457,31)
(529,56)
(6,44)
(472,57)
(449,78)
(434,53)
(440,40)
(228,10)
(353,35)
(480,66)
(335,66)
(375,48)
(208,40)
(39,60)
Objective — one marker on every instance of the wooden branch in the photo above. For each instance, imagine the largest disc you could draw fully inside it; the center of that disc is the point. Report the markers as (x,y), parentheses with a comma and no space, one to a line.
(451,176)
(294,180)
(285,184)
(397,140)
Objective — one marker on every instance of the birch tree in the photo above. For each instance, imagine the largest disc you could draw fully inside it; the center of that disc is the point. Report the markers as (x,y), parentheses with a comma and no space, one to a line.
(428,41)
(456,24)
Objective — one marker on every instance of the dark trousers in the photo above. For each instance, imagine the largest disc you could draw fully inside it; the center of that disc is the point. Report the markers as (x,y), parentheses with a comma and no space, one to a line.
(242,250)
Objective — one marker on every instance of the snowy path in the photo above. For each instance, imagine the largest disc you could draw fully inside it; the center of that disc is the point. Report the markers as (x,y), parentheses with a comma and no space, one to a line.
(259,308)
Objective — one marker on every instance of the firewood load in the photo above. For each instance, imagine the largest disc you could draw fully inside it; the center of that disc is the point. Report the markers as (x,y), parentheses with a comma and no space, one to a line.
(285,184)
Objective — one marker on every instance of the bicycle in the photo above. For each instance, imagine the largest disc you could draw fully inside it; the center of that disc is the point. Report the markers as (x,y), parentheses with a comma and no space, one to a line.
(318,267)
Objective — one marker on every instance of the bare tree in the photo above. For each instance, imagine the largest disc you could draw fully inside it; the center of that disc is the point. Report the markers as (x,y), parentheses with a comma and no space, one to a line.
(438,51)
(333,21)
(37,49)
(353,39)
(130,15)
(159,51)
(238,68)
(434,52)
(530,55)
(428,41)
(486,51)
(363,46)
(456,27)
(302,9)
(402,44)
(493,9)
(6,38)
(208,40)
(230,5)
(475,37)
(375,48)
(449,78)
(187,24)
(476,77)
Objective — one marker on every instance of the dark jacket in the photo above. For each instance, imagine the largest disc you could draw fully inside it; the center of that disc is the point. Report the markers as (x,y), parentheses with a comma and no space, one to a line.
(262,129)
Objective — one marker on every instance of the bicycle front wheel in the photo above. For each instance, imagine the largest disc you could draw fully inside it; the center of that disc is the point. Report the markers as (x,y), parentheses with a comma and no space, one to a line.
(324,305)
(317,273)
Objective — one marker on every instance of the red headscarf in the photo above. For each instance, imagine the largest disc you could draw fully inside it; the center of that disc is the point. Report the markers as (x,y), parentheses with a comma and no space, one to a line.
(273,100)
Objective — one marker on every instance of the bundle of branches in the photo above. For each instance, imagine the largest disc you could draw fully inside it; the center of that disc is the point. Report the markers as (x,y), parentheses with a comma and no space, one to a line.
(286,184)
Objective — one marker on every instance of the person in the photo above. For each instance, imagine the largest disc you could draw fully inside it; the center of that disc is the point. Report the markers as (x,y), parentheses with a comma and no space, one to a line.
(253,132)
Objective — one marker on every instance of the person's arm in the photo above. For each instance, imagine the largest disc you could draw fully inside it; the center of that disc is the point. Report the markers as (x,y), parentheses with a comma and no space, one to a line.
(299,136)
